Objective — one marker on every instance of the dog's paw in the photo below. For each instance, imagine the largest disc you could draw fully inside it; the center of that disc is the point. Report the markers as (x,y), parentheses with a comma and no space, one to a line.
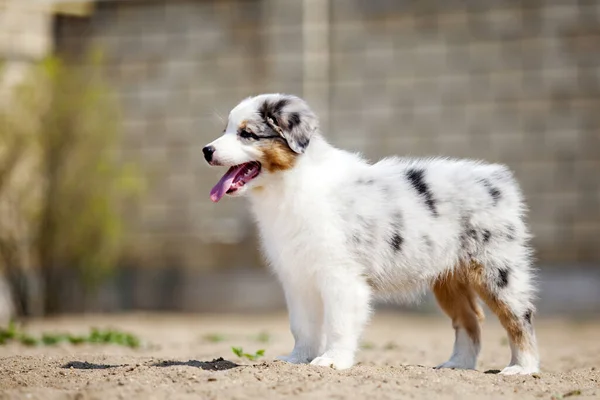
(335,363)
(452,364)
(294,359)
(519,370)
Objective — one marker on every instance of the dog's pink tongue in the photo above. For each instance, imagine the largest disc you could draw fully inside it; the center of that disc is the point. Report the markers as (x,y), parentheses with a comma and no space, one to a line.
(224,184)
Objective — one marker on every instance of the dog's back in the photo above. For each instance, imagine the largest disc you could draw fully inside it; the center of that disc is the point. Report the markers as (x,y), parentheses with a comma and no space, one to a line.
(408,220)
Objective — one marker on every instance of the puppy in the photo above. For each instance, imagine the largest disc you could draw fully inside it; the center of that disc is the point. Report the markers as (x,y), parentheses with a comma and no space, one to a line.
(338,231)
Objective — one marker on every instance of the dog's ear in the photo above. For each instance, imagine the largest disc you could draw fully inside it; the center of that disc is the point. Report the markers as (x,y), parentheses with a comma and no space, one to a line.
(291,118)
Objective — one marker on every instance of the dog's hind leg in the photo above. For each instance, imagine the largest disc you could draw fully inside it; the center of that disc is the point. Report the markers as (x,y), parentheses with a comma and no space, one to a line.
(506,289)
(459,300)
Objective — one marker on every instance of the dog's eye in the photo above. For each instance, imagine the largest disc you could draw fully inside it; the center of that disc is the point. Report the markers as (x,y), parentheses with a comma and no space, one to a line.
(247,135)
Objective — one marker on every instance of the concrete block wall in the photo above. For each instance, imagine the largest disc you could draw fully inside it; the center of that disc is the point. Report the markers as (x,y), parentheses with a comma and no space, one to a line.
(506,81)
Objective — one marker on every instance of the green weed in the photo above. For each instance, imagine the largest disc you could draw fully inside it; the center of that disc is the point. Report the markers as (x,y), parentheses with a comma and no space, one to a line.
(214,337)
(367,345)
(263,337)
(238,351)
(390,346)
(97,336)
(571,393)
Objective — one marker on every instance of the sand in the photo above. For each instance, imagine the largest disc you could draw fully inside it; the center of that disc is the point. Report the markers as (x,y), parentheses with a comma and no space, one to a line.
(396,361)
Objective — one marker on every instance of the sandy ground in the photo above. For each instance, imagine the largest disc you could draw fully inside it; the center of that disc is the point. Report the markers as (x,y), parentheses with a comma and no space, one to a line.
(396,362)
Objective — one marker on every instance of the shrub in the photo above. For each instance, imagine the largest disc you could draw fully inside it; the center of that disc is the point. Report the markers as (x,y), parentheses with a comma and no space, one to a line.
(64,178)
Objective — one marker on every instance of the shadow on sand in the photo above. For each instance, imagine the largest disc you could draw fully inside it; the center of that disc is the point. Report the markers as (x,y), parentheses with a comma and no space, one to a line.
(218,364)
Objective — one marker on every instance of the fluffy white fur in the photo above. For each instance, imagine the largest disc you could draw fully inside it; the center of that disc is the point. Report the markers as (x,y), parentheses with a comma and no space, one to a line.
(338,230)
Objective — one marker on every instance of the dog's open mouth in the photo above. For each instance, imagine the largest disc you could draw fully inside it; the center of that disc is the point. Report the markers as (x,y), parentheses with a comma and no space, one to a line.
(236,177)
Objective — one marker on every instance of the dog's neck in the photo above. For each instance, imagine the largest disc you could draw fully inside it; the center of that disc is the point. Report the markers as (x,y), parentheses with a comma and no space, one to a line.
(286,184)
(316,152)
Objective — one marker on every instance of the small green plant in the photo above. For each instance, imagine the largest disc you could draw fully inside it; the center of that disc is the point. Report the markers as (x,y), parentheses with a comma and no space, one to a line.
(96,336)
(11,332)
(8,333)
(390,346)
(50,339)
(575,392)
(214,337)
(113,337)
(367,345)
(28,340)
(263,337)
(238,351)
(559,396)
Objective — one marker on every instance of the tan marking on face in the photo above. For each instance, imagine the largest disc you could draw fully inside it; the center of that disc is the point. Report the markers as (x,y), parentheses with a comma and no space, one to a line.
(243,125)
(277,156)
(458,299)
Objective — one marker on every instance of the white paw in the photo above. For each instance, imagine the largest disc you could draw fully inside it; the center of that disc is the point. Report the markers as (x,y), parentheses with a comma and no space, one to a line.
(519,370)
(294,359)
(456,365)
(335,363)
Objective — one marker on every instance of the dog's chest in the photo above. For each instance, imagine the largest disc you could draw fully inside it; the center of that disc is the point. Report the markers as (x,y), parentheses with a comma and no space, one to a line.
(294,235)
(284,236)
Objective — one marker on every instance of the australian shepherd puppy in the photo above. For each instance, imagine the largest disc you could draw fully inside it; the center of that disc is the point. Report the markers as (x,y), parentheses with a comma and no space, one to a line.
(338,230)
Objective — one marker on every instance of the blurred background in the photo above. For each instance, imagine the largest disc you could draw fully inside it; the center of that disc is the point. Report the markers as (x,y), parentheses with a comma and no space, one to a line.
(105,106)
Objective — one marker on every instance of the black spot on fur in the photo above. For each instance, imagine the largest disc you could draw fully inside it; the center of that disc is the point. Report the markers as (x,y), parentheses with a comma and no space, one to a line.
(362,181)
(397,221)
(303,142)
(472,233)
(428,241)
(273,110)
(486,235)
(415,176)
(367,227)
(527,316)
(493,191)
(279,104)
(293,120)
(510,235)
(396,242)
(464,236)
(503,277)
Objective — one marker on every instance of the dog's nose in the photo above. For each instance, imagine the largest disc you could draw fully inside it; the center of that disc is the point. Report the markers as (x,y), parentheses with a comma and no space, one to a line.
(208,152)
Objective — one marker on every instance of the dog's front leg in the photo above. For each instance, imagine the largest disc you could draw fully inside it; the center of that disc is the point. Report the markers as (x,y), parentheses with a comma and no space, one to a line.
(306,319)
(346,301)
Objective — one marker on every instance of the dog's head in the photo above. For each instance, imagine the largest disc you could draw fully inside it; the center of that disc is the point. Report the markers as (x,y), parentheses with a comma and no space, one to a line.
(264,135)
